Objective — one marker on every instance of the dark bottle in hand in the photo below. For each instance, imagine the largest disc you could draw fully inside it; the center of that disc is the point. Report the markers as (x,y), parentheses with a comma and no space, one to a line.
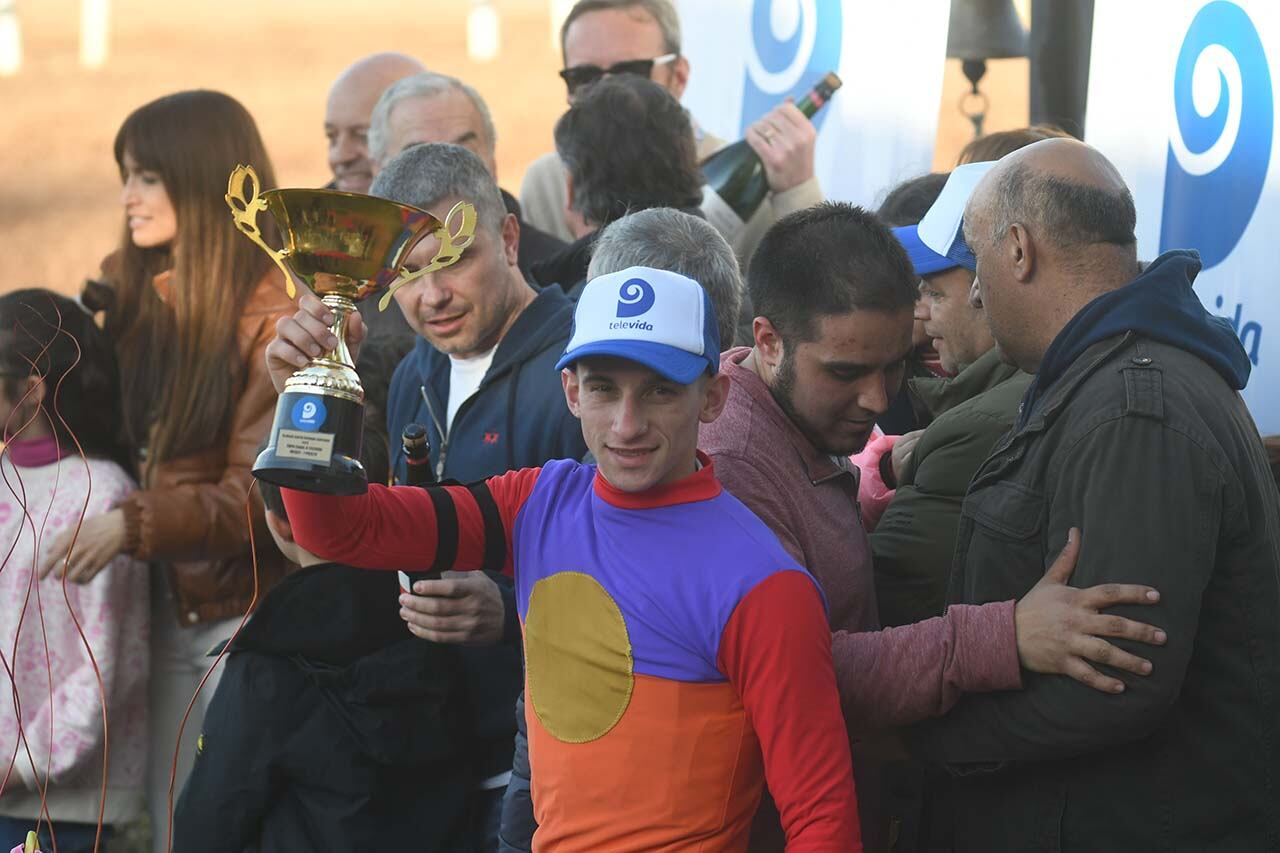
(417,451)
(735,171)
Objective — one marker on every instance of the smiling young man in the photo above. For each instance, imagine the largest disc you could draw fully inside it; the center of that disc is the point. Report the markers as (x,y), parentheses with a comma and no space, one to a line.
(676,656)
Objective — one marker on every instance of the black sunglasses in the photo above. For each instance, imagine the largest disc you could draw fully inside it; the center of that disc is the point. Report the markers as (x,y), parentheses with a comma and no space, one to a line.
(584,75)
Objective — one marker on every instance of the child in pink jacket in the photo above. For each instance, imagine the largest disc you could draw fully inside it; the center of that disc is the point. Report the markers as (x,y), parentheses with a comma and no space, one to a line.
(51,705)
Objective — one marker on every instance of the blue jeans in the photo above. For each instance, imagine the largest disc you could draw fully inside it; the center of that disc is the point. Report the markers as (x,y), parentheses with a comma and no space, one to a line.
(72,837)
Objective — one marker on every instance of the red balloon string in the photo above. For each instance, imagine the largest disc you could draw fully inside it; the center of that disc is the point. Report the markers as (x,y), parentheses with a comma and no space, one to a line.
(19,493)
(33,585)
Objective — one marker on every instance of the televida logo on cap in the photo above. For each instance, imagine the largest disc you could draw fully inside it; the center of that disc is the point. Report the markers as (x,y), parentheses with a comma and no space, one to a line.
(635,298)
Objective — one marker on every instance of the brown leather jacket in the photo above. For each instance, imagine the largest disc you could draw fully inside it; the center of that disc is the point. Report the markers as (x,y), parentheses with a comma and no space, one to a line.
(190,514)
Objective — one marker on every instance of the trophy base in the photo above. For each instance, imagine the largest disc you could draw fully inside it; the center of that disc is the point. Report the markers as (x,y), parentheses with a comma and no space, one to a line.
(315,445)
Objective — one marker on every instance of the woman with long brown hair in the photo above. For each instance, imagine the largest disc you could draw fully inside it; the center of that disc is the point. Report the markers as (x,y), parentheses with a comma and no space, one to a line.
(190,306)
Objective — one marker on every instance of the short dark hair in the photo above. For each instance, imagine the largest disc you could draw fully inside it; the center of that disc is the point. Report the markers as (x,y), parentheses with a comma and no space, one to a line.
(628,145)
(909,201)
(828,260)
(1066,213)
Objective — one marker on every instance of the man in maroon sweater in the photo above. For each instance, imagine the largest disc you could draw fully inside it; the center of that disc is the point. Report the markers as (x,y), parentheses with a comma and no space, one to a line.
(833,294)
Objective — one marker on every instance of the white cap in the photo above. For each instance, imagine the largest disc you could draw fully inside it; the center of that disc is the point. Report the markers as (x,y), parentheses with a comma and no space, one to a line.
(940,227)
(660,319)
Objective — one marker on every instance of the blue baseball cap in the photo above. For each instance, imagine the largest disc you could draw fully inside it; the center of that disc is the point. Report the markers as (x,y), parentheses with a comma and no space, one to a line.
(937,243)
(656,318)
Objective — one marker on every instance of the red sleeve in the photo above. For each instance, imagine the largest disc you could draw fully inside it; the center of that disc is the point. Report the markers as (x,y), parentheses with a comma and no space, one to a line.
(776,651)
(413,529)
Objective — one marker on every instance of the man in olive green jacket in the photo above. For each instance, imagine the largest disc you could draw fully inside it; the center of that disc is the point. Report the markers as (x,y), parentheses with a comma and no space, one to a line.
(915,539)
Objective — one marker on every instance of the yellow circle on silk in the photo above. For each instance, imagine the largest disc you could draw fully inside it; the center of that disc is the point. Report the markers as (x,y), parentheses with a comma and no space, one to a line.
(578,664)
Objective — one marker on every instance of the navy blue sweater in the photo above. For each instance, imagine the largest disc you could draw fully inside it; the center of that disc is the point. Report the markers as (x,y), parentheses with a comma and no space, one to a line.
(516,419)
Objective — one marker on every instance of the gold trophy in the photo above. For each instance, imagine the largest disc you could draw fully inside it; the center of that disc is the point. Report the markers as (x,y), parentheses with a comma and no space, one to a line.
(343,247)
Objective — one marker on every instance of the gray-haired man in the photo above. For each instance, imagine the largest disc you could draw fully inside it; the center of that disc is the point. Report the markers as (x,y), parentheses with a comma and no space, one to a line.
(431,107)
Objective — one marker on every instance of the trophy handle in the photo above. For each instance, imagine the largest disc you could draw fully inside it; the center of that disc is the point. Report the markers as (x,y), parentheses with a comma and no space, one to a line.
(244,212)
(453,241)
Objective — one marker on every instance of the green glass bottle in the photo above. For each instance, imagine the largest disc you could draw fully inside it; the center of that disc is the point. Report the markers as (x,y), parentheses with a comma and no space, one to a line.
(735,171)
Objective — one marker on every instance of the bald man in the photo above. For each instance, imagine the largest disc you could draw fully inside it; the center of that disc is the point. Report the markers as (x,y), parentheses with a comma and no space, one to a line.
(346,115)
(1133,430)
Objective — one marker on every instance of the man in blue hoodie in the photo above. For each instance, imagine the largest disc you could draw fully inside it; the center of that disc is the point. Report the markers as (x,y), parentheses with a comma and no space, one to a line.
(482,379)
(1133,430)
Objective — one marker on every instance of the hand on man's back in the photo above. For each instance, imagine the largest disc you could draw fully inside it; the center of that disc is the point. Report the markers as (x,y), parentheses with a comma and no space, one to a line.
(1061,629)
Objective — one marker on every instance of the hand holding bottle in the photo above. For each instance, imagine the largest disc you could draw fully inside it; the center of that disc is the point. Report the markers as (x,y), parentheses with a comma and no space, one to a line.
(784,139)
(775,156)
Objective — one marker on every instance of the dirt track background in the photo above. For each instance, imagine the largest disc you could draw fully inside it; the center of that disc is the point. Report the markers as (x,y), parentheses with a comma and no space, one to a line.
(59,190)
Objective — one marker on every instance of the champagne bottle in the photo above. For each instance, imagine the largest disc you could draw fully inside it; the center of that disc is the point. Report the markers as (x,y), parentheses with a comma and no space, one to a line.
(735,171)
(417,451)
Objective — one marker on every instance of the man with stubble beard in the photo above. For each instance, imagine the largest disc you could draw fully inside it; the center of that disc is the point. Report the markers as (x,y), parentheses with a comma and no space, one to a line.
(833,292)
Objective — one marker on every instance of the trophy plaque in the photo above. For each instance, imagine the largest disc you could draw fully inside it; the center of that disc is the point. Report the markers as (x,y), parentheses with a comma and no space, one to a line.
(343,247)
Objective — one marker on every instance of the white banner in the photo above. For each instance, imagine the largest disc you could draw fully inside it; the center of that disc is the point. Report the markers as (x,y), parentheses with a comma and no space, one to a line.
(746,56)
(1182,98)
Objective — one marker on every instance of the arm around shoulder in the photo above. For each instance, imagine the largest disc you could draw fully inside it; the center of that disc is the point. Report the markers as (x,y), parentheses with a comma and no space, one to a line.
(1121,480)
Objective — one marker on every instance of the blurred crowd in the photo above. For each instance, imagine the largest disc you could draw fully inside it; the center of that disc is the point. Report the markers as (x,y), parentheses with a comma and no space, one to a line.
(935,527)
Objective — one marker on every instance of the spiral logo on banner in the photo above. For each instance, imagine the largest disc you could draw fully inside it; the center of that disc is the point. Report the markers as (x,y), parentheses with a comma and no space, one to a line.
(1220,139)
(793,43)
(635,297)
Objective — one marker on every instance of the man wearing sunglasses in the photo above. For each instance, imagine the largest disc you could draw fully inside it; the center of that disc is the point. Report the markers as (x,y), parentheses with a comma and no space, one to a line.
(642,37)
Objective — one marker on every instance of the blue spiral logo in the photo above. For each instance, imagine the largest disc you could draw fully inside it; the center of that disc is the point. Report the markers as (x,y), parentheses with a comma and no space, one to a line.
(635,297)
(1220,142)
(793,43)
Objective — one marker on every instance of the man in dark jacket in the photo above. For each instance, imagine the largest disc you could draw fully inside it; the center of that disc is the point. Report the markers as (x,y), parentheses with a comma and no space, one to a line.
(482,379)
(914,541)
(1133,430)
(482,375)
(627,145)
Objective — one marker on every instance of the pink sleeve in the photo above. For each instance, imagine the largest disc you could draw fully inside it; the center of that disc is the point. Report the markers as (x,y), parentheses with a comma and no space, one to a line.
(873,493)
(776,651)
(903,675)
(413,529)
(75,714)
